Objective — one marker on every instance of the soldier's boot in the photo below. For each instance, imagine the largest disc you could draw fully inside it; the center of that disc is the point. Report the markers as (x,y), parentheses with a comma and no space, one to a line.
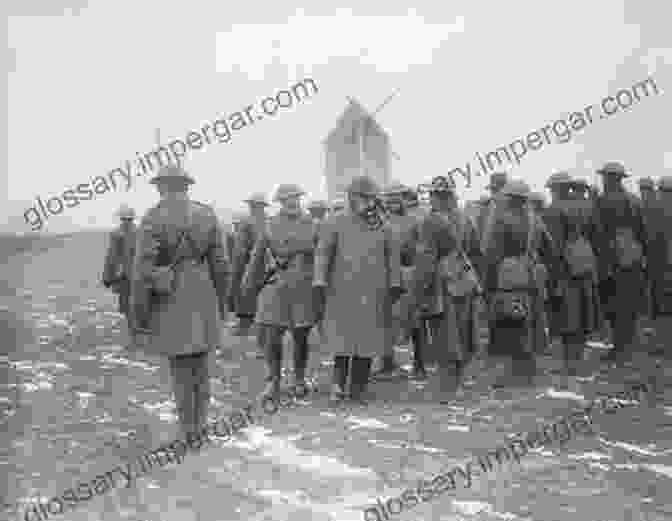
(361,371)
(419,340)
(301,349)
(624,332)
(273,340)
(339,379)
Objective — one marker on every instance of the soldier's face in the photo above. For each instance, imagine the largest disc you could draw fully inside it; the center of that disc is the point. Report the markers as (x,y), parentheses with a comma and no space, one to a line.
(361,203)
(291,203)
(318,213)
(395,205)
(442,200)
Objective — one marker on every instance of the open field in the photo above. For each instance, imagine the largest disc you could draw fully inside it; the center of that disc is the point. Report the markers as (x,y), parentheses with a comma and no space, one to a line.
(74,404)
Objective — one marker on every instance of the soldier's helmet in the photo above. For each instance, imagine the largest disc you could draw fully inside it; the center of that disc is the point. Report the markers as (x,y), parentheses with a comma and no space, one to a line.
(126,212)
(558,179)
(170,172)
(238,217)
(363,185)
(646,183)
(318,204)
(613,168)
(285,191)
(257,198)
(411,197)
(442,184)
(665,183)
(516,188)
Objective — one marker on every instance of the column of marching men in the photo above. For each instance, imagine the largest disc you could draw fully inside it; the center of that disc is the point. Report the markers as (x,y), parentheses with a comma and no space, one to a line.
(379,268)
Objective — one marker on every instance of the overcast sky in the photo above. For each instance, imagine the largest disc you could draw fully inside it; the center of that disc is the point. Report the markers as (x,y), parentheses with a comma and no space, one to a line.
(88,85)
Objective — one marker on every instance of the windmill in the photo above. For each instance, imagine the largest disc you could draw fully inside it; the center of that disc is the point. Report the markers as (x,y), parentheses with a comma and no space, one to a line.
(361,122)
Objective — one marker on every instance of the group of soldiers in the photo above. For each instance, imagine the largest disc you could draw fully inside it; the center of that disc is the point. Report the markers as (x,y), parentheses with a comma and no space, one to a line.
(379,268)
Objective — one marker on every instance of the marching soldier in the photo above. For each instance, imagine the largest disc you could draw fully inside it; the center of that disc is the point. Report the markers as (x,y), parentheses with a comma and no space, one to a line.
(489,204)
(179,289)
(446,281)
(575,302)
(119,258)
(230,242)
(357,280)
(516,242)
(647,191)
(286,298)
(620,244)
(660,261)
(246,305)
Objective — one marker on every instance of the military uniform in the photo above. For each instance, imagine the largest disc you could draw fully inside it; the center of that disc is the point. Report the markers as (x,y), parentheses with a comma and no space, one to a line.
(445,238)
(516,234)
(575,308)
(286,300)
(618,219)
(119,259)
(184,325)
(246,303)
(357,272)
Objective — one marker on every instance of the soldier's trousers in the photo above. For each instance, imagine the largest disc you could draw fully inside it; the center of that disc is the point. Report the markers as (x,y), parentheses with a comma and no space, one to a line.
(273,350)
(191,386)
(361,369)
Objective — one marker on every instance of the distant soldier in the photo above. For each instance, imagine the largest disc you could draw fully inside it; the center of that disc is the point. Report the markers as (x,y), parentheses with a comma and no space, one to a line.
(446,282)
(246,305)
(179,290)
(337,205)
(404,227)
(660,262)
(357,280)
(576,312)
(318,210)
(286,298)
(517,242)
(230,242)
(647,191)
(620,245)
(489,204)
(119,258)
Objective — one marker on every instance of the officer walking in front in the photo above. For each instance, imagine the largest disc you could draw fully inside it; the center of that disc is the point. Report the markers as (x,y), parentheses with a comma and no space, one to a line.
(286,298)
(179,290)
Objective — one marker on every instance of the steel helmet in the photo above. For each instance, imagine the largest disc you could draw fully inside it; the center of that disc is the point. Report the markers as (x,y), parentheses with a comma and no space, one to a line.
(257,198)
(172,172)
(318,204)
(613,168)
(286,191)
(126,212)
(665,183)
(498,180)
(537,197)
(516,188)
(363,185)
(558,178)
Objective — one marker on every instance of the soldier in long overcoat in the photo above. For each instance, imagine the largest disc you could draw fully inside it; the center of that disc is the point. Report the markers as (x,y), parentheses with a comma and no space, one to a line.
(516,235)
(286,298)
(620,244)
(660,261)
(488,204)
(119,258)
(230,241)
(447,281)
(576,303)
(246,305)
(357,280)
(182,324)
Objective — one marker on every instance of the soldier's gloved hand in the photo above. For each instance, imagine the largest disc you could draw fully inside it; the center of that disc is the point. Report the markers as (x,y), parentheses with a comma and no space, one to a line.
(319,301)
(395,293)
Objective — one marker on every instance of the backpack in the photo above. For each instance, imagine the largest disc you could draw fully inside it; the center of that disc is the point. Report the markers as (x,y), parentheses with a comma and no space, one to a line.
(580,257)
(455,269)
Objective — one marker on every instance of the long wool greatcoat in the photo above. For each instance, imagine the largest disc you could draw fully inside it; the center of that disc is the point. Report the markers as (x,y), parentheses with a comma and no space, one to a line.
(576,310)
(623,290)
(660,254)
(288,300)
(357,266)
(441,234)
(230,245)
(186,322)
(119,263)
(507,236)
(245,304)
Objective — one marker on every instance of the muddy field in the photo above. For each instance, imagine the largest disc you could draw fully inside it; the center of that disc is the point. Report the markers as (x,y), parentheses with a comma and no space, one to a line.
(74,404)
